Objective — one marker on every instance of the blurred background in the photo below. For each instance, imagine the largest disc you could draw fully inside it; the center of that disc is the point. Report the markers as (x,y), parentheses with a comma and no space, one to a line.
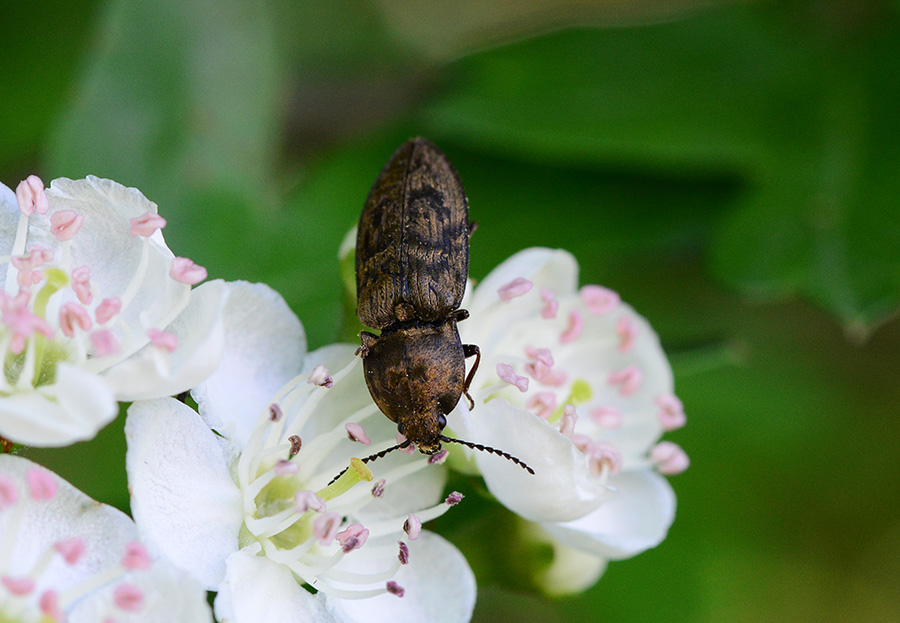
(732,169)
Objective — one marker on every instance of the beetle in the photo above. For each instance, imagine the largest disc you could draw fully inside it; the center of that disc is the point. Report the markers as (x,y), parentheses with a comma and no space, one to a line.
(412,262)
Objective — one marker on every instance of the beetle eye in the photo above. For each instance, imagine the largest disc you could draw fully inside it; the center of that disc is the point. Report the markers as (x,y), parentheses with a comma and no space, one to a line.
(401,428)
(442,421)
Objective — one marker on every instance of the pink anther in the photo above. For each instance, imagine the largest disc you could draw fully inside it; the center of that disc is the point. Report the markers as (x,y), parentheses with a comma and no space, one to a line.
(395,589)
(551,305)
(378,488)
(305,501)
(18,586)
(185,271)
(543,404)
(41,484)
(49,605)
(146,225)
(31,196)
(606,417)
(275,412)
(568,420)
(81,284)
(9,494)
(73,315)
(454,498)
(108,309)
(352,537)
(283,467)
(627,331)
(412,527)
(403,555)
(356,433)
(505,372)
(669,458)
(599,300)
(628,379)
(104,343)
(326,526)
(128,597)
(516,287)
(71,549)
(163,339)
(136,556)
(573,329)
(321,377)
(671,414)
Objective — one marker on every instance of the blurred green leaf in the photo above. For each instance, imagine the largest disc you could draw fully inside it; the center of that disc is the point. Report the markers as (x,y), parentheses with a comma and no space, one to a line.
(177,98)
(793,99)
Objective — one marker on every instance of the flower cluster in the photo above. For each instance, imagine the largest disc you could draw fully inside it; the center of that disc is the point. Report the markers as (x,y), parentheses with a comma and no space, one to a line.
(94,308)
(259,493)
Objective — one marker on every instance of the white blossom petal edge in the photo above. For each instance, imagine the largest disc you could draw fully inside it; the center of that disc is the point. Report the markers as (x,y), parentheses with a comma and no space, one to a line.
(65,557)
(575,383)
(239,495)
(94,308)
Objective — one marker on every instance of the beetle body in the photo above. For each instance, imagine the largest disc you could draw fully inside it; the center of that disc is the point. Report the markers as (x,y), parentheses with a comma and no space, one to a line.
(412,262)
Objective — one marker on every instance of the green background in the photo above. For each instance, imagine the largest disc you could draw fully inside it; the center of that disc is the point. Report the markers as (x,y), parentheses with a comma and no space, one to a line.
(731,169)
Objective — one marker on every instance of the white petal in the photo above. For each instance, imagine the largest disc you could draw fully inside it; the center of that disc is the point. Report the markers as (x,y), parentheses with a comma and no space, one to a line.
(570,571)
(264,348)
(104,530)
(635,519)
(155,373)
(545,268)
(72,409)
(562,487)
(439,585)
(257,590)
(182,496)
(170,595)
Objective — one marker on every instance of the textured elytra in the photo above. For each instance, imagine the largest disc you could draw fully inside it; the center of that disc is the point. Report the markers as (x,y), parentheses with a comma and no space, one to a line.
(412,250)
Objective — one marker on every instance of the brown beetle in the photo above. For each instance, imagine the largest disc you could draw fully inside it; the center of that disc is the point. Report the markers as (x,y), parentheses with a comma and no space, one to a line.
(412,262)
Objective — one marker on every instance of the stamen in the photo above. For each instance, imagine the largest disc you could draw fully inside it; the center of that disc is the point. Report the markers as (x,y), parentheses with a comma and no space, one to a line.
(163,339)
(438,457)
(18,586)
(516,287)
(275,414)
(505,372)
(41,484)
(72,314)
(568,420)
(296,444)
(305,501)
(671,414)
(353,537)
(64,224)
(551,305)
(628,379)
(30,196)
(128,597)
(146,225)
(9,495)
(70,549)
(321,377)
(107,309)
(606,417)
(325,527)
(81,284)
(599,300)
(573,329)
(284,467)
(412,527)
(377,490)
(185,271)
(454,498)
(395,589)
(669,458)
(627,330)
(544,402)
(49,605)
(356,433)
(136,556)
(104,343)
(605,457)
(403,556)
(400,439)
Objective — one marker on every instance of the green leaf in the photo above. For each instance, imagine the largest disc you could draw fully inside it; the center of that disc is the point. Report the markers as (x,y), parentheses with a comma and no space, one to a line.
(177,97)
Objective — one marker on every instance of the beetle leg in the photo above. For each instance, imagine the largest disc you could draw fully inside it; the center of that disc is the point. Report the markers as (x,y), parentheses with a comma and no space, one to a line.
(468,351)
(459,315)
(473,225)
(368,339)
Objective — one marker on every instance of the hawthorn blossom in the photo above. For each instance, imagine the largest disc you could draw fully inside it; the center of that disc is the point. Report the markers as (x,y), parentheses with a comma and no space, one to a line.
(65,557)
(573,382)
(240,494)
(94,308)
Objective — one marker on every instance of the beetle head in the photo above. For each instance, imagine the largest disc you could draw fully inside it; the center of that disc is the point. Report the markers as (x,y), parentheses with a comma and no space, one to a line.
(424,431)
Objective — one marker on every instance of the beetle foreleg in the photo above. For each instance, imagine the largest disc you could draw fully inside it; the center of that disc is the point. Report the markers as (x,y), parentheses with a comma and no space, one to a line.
(368,339)
(468,351)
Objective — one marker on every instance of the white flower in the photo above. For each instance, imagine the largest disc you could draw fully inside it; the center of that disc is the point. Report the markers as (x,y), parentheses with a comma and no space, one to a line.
(574,383)
(239,494)
(64,556)
(94,308)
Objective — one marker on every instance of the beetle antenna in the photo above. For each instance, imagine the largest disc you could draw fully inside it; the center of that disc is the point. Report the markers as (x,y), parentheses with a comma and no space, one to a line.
(483,448)
(375,456)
